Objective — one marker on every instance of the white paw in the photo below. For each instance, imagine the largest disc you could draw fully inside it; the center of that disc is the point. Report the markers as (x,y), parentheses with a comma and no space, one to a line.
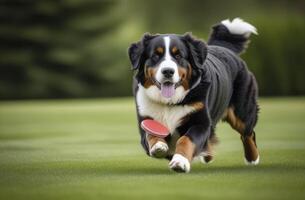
(180,164)
(159,150)
(205,157)
(255,162)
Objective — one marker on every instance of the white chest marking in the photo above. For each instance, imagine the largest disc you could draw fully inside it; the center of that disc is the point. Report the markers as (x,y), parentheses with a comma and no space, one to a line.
(169,115)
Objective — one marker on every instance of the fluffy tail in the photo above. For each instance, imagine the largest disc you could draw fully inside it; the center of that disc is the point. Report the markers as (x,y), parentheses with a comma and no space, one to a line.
(232,35)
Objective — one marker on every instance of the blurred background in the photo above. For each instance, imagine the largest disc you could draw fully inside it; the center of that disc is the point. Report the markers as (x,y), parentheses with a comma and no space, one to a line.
(78,48)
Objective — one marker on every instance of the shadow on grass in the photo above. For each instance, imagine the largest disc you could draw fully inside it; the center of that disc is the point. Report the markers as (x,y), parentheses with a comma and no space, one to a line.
(128,169)
(263,168)
(33,174)
(162,169)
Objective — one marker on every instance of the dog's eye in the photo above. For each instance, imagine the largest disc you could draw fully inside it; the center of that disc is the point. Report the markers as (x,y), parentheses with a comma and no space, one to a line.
(155,56)
(178,56)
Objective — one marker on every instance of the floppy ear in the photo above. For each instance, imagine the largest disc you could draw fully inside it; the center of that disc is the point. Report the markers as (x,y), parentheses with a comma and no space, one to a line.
(136,51)
(197,50)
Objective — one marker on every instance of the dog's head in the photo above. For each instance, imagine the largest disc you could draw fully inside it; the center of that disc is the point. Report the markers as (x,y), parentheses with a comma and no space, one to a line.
(167,66)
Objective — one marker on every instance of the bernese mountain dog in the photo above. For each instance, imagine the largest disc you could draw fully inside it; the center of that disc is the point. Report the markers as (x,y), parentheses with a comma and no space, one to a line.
(189,86)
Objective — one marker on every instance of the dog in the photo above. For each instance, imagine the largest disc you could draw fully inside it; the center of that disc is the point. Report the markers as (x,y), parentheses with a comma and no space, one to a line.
(189,86)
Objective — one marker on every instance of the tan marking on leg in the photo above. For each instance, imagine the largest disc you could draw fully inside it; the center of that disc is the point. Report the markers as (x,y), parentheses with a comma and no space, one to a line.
(250,149)
(185,147)
(152,140)
(234,121)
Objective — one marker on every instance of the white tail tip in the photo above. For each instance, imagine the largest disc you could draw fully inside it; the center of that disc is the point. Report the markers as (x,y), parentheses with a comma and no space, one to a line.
(239,27)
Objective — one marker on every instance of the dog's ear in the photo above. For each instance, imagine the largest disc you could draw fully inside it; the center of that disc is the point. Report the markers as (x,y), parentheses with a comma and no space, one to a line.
(197,50)
(136,51)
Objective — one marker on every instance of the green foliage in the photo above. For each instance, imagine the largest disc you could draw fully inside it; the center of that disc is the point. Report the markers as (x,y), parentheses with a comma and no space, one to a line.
(276,55)
(52,48)
(77,48)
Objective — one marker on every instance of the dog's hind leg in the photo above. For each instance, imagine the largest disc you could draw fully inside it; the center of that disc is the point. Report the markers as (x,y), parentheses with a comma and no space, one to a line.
(248,140)
(242,114)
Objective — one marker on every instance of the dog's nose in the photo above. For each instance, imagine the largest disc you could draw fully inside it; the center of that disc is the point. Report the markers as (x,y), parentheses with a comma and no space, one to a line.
(168,72)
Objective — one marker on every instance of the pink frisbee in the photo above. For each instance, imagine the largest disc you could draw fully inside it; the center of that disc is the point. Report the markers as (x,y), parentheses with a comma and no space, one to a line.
(155,128)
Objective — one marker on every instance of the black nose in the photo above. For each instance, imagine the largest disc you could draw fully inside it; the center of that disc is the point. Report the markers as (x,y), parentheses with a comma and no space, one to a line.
(168,72)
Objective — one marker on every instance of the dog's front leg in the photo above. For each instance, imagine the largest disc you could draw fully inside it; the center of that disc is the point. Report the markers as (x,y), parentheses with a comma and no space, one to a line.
(187,146)
(158,147)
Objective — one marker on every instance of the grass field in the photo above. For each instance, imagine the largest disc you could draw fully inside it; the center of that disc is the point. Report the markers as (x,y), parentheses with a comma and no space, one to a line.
(89,149)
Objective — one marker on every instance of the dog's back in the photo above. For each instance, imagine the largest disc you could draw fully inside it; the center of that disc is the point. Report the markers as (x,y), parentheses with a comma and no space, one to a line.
(230,78)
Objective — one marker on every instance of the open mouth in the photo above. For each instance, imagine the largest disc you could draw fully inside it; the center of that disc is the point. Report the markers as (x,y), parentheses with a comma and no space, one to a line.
(167,89)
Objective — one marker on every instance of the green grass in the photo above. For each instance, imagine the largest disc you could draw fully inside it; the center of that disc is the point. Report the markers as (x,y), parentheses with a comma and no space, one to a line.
(89,149)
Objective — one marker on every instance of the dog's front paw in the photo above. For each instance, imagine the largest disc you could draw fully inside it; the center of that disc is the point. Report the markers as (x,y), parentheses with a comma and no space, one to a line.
(180,164)
(159,150)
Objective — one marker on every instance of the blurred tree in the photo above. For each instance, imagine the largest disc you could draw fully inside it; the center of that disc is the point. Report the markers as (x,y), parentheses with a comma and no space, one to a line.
(77,48)
(52,48)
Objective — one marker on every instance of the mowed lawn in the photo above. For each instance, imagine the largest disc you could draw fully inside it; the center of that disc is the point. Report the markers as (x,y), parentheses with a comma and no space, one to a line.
(89,149)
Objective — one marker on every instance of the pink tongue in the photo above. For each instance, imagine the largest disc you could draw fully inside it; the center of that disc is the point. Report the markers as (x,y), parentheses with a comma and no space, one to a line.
(167,90)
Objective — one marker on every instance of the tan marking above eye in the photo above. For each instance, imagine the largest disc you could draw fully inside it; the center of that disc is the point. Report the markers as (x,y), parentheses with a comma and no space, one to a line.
(160,50)
(175,50)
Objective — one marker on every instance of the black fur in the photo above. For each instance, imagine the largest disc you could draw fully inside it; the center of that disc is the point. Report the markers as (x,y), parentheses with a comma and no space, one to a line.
(224,78)
(136,51)
(197,50)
